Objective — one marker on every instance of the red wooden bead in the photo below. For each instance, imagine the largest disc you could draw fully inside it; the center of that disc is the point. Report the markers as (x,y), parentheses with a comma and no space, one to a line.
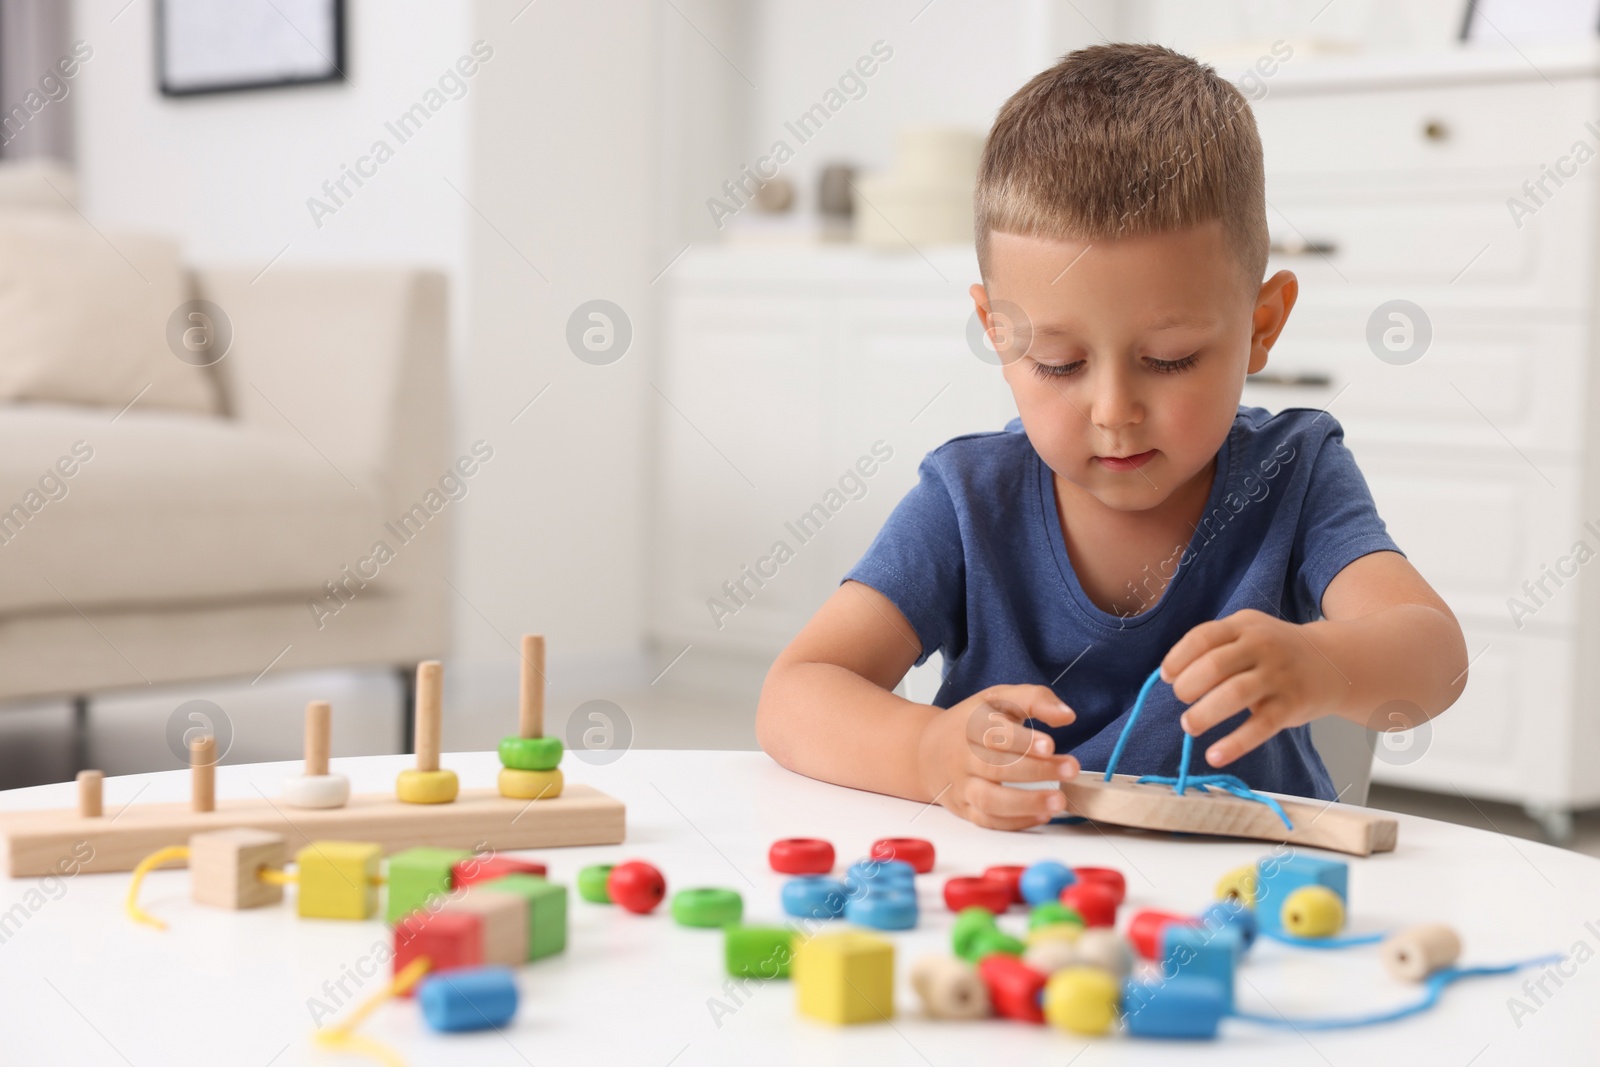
(1107,876)
(488,868)
(912,850)
(1012,877)
(636,885)
(990,893)
(1145,928)
(1014,987)
(450,939)
(801,855)
(1095,901)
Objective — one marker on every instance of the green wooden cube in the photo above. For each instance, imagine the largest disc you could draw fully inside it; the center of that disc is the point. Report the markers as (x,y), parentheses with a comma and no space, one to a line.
(547,910)
(418,874)
(758,951)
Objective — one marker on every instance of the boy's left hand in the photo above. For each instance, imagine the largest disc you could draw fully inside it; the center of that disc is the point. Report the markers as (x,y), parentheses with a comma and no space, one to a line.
(1251,660)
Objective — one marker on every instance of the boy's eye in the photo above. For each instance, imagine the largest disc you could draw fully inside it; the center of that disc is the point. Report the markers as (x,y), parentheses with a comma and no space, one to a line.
(1057,370)
(1171,366)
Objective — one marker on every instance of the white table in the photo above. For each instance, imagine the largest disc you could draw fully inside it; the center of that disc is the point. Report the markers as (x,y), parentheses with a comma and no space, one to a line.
(79,982)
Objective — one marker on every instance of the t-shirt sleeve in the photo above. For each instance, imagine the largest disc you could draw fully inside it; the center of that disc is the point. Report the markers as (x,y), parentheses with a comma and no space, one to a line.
(916,561)
(1339,522)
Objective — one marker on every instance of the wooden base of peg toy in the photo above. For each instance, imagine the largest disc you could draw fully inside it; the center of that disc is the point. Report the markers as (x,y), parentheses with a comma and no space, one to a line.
(1154,806)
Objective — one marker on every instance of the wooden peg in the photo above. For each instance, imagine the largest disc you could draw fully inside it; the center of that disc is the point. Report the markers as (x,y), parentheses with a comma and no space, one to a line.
(89,794)
(430,687)
(530,711)
(319,714)
(202,772)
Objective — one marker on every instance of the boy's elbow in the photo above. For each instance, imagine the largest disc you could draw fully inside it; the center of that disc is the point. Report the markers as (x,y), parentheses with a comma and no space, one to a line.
(1455,659)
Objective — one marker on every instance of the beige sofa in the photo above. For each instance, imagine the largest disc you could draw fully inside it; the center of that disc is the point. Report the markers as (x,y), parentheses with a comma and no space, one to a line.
(185,546)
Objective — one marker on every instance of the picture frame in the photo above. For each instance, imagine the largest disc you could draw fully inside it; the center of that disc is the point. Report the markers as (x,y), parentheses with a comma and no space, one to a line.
(204,47)
(1529,21)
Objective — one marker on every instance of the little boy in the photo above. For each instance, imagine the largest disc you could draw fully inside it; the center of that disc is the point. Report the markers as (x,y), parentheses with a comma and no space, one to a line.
(1136,515)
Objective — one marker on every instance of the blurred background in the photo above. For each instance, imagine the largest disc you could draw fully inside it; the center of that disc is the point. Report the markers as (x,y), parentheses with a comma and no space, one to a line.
(343,335)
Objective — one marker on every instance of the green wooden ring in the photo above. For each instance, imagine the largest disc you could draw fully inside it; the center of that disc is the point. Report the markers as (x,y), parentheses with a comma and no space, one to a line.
(1052,911)
(592,883)
(530,753)
(707,907)
(970,922)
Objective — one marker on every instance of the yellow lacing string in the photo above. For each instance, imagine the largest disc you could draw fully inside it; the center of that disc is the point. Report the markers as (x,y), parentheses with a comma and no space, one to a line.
(273,876)
(343,1036)
(146,865)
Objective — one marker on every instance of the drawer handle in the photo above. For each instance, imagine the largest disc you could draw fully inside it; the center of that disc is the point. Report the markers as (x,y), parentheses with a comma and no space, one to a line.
(1436,130)
(1308,380)
(1299,246)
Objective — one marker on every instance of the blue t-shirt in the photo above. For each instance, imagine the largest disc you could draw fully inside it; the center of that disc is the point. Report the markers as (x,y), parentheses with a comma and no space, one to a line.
(975,560)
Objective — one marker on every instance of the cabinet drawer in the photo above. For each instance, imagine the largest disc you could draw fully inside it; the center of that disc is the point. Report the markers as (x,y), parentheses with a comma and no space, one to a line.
(1496,126)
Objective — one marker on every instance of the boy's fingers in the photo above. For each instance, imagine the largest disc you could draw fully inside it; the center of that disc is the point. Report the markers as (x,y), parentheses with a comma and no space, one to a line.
(1030,702)
(1225,701)
(1211,669)
(1253,732)
(1194,644)
(986,764)
(1004,802)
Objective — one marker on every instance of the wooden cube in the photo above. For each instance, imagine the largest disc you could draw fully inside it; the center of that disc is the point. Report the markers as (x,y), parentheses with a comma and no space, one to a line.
(546,905)
(845,978)
(415,875)
(338,879)
(505,924)
(223,866)
(450,939)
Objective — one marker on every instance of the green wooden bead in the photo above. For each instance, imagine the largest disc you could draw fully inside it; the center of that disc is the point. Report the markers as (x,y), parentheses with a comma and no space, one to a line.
(758,951)
(970,922)
(987,942)
(592,883)
(707,907)
(1052,912)
(530,753)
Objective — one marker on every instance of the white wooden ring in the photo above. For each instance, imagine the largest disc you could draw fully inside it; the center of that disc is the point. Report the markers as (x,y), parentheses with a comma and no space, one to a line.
(316,791)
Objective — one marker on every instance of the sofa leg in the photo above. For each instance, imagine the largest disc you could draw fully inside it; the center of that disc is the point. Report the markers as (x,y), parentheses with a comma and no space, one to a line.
(80,733)
(408,707)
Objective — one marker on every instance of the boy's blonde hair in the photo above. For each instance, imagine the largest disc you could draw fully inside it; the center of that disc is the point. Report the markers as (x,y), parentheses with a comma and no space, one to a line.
(1123,140)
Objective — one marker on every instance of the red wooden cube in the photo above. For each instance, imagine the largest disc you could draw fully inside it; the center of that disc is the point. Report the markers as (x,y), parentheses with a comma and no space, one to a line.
(487,868)
(450,940)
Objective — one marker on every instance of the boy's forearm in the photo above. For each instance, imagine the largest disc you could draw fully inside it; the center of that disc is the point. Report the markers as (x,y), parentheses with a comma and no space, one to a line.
(1410,653)
(828,722)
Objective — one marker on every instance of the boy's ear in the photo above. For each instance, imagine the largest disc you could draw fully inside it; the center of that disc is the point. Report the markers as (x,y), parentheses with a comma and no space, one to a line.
(980,301)
(1273,304)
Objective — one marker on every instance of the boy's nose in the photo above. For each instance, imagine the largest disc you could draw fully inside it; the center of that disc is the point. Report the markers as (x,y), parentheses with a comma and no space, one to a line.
(1115,402)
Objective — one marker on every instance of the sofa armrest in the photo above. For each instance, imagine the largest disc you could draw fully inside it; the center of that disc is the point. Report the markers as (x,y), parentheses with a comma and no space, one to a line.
(355,361)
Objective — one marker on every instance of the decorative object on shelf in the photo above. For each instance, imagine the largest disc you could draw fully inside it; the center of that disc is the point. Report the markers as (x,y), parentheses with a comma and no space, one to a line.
(926,199)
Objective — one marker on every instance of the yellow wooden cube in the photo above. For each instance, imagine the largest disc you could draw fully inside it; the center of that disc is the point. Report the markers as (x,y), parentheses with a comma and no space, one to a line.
(338,879)
(845,978)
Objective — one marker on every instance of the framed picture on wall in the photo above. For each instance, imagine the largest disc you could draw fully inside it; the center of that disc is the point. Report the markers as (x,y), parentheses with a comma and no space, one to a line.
(203,46)
(1499,22)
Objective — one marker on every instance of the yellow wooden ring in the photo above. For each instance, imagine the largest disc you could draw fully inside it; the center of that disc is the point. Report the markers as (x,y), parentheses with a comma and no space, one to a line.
(426,787)
(530,785)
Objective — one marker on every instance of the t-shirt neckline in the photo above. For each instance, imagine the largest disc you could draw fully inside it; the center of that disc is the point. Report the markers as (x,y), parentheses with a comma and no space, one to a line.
(1045,500)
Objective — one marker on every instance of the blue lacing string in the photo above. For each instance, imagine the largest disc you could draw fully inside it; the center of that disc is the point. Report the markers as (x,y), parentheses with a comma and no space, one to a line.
(1228,783)
(1435,986)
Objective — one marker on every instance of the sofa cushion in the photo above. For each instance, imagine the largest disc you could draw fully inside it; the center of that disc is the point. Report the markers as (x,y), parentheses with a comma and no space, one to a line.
(166,508)
(86,316)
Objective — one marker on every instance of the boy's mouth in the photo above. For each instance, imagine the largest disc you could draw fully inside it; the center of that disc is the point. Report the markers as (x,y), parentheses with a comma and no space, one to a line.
(1126,463)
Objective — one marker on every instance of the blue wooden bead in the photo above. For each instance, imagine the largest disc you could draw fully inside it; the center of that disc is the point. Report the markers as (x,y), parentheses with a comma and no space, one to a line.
(473,998)
(1174,1007)
(883,908)
(1044,881)
(1195,951)
(1232,913)
(814,897)
(869,872)
(1278,876)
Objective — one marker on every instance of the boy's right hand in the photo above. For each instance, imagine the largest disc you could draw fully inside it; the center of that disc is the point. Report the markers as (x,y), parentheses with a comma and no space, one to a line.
(967,751)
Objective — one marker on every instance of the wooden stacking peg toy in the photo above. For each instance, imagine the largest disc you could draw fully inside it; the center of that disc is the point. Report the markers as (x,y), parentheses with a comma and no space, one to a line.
(316,788)
(530,761)
(90,793)
(427,784)
(203,773)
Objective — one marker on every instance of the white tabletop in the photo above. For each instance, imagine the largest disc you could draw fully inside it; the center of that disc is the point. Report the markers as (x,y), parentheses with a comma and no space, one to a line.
(79,982)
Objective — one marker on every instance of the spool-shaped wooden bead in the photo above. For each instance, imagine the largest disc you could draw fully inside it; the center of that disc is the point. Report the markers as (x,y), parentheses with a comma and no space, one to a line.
(90,794)
(1415,953)
(203,773)
(949,988)
(530,708)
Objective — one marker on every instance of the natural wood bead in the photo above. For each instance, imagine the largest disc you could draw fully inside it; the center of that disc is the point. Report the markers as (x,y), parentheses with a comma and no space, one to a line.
(1412,954)
(223,866)
(949,988)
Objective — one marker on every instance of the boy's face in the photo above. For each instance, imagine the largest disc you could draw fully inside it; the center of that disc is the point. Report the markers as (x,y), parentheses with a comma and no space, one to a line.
(1135,347)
